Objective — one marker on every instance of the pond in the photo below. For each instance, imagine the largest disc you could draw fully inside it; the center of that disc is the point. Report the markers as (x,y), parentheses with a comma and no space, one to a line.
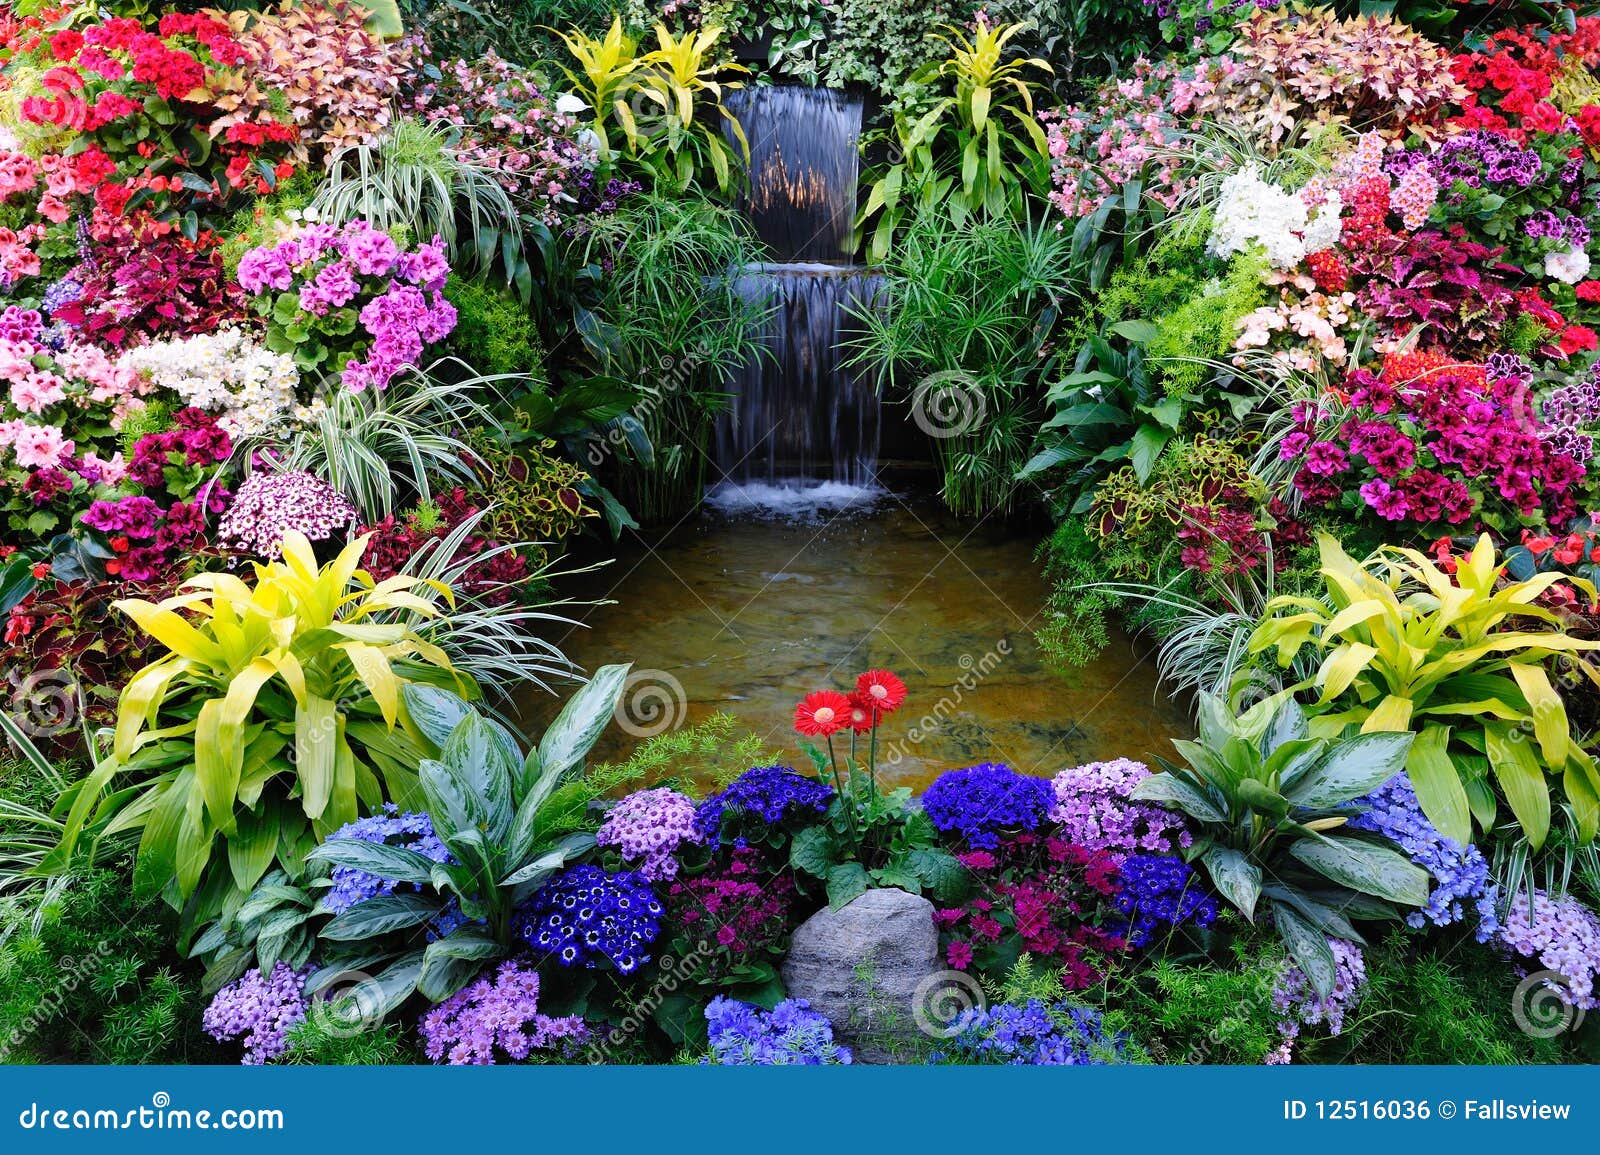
(771,592)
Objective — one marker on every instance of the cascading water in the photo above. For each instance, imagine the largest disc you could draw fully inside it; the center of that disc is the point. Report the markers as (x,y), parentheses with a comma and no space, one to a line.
(799,416)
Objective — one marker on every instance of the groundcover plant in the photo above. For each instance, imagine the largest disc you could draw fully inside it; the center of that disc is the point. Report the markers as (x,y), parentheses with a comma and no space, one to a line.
(952,385)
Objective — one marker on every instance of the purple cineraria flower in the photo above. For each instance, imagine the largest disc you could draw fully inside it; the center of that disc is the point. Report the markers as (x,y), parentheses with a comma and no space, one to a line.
(260,1010)
(269,505)
(1294,997)
(647,827)
(587,917)
(980,803)
(1095,809)
(789,1035)
(494,1017)
(1560,935)
(409,831)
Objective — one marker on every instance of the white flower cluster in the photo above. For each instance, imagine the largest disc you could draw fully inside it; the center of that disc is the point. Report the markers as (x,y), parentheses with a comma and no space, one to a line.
(249,387)
(1252,212)
(1569,267)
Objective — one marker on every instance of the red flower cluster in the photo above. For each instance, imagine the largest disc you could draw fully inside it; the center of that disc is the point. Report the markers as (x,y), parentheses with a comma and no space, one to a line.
(1511,78)
(823,713)
(493,580)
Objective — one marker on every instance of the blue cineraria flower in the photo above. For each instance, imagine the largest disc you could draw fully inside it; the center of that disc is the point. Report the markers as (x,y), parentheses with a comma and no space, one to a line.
(774,794)
(1036,1035)
(1158,890)
(1461,873)
(585,915)
(391,828)
(789,1035)
(982,802)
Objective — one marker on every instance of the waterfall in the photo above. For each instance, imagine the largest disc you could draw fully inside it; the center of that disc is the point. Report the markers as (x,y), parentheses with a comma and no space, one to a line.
(798,416)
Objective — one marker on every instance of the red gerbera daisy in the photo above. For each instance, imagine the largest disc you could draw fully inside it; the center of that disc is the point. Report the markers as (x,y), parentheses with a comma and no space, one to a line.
(821,713)
(860,714)
(881,690)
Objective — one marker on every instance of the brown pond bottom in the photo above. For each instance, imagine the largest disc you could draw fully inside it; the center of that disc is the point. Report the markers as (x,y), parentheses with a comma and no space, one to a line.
(746,614)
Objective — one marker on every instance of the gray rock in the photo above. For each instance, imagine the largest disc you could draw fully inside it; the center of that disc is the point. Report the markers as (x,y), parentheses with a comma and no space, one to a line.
(862,966)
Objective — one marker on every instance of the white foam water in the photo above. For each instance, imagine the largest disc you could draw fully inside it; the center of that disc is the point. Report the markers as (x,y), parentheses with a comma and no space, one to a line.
(794,499)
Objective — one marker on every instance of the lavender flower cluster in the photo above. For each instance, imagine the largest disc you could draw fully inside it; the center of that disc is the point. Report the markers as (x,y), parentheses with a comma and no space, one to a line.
(269,505)
(1460,873)
(772,794)
(1094,807)
(789,1035)
(980,803)
(648,827)
(1158,890)
(260,1010)
(1294,997)
(585,915)
(392,828)
(1035,1035)
(493,1016)
(1561,935)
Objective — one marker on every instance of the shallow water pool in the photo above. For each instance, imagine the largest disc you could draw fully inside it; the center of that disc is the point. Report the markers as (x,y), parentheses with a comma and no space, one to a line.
(768,594)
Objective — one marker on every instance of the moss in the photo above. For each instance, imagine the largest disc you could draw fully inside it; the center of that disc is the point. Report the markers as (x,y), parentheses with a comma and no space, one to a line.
(495,333)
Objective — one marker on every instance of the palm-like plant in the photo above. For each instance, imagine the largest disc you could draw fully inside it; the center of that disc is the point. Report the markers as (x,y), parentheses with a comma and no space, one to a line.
(263,727)
(1404,646)
(1270,804)
(603,79)
(962,328)
(977,148)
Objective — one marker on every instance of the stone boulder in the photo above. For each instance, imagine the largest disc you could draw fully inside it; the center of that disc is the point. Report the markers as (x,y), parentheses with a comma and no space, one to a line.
(862,966)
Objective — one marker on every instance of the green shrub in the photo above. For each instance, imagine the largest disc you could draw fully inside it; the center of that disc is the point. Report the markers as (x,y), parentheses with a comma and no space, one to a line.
(1207,1011)
(314,1043)
(1443,1003)
(94,979)
(494,333)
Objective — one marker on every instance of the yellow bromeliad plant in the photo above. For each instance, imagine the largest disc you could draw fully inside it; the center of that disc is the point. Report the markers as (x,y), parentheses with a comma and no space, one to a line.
(272,720)
(1463,660)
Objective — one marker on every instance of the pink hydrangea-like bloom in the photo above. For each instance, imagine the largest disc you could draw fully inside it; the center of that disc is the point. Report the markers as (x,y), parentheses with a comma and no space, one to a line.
(1094,809)
(36,446)
(648,827)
